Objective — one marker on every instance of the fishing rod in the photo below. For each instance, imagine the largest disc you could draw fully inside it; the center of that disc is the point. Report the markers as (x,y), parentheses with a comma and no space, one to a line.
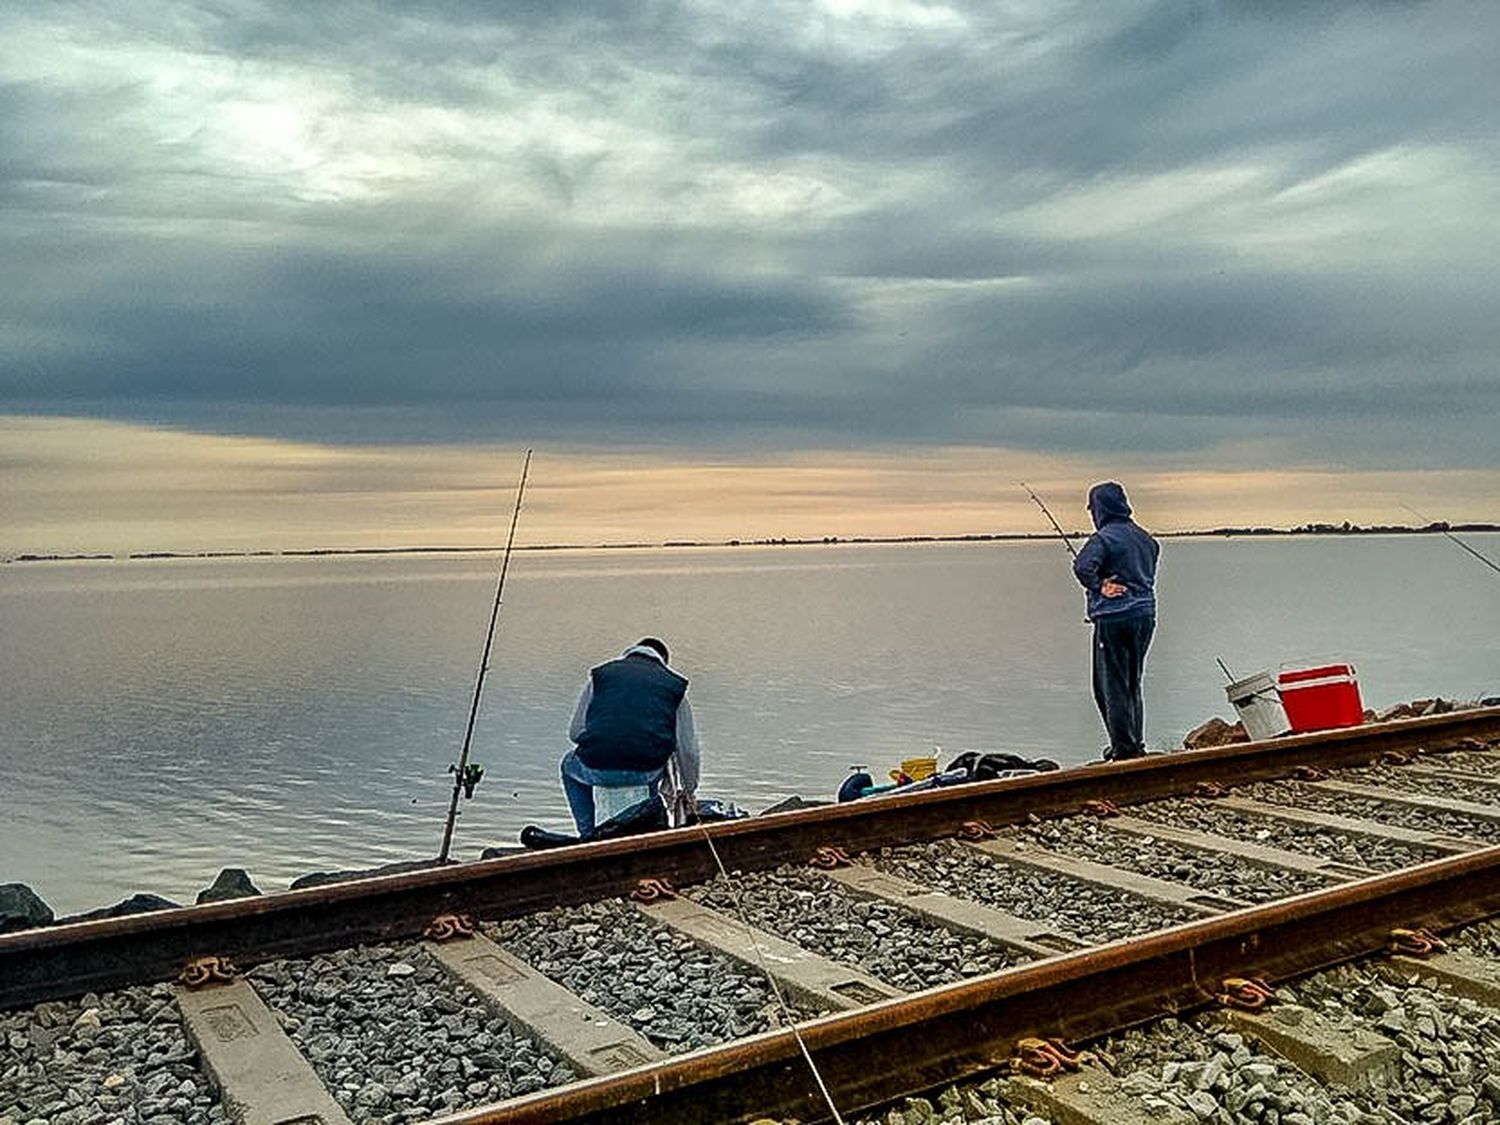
(1489,562)
(465,775)
(1068,543)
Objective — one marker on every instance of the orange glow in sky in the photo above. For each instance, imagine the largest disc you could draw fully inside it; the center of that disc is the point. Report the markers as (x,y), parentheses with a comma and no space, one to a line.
(87,486)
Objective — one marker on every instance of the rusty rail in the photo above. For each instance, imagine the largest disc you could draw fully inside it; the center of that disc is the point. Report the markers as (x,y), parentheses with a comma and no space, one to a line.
(901,1047)
(56,962)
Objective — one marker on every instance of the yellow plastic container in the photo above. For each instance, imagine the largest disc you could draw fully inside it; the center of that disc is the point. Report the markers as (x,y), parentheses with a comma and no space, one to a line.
(919,769)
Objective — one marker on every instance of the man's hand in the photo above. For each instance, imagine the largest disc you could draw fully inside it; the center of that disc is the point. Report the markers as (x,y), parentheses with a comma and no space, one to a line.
(1112,589)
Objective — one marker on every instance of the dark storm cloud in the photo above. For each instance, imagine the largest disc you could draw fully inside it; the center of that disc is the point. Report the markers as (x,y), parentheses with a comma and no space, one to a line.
(1136,226)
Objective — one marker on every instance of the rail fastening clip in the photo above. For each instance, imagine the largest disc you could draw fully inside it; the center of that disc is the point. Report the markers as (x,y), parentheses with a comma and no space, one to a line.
(448,927)
(829,857)
(651,890)
(1249,994)
(976,830)
(1045,1058)
(1416,943)
(203,971)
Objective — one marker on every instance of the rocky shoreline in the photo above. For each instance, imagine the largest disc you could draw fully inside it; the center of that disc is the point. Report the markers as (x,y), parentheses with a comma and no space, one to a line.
(21,908)
(1218,732)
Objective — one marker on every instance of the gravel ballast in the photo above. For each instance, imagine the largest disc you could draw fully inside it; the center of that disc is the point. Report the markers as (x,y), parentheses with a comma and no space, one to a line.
(880,938)
(1450,1047)
(1474,761)
(1451,788)
(394,1039)
(1211,1074)
(1423,820)
(980,1104)
(1088,912)
(676,994)
(1341,847)
(1216,873)
(122,1057)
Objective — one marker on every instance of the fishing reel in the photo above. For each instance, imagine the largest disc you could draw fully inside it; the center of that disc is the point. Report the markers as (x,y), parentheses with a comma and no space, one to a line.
(469,778)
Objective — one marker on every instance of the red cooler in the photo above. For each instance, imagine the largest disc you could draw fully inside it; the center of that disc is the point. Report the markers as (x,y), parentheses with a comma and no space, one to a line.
(1321,698)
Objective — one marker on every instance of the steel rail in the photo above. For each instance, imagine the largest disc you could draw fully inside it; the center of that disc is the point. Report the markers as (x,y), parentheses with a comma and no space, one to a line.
(56,962)
(903,1047)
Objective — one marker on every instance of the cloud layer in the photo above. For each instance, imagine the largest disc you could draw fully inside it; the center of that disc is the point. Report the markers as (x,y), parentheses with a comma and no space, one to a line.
(80,486)
(1129,230)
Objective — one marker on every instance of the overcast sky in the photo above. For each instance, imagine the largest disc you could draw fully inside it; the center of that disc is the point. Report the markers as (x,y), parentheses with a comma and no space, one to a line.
(276,272)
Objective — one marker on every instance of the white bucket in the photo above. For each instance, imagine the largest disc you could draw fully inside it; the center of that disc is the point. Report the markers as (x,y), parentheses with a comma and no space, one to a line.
(1258,704)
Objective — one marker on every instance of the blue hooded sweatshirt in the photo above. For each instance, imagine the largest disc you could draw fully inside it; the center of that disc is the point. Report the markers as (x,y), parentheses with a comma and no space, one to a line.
(1120,550)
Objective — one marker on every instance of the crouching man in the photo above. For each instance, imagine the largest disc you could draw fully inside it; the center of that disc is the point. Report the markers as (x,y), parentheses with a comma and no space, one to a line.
(633,739)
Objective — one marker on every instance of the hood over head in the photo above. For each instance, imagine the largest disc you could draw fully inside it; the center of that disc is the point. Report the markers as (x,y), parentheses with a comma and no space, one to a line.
(1107,503)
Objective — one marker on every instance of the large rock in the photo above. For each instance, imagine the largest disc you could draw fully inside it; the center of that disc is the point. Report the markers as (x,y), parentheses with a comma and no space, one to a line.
(231,883)
(136,904)
(21,908)
(1416,708)
(792,804)
(1215,732)
(500,851)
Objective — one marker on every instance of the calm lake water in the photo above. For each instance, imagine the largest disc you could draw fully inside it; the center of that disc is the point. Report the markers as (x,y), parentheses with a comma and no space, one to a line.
(164,719)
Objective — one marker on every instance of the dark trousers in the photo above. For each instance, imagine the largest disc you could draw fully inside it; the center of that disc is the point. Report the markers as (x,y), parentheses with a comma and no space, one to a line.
(1120,645)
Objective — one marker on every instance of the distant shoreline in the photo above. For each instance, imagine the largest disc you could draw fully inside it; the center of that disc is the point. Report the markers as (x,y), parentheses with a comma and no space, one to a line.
(1319,529)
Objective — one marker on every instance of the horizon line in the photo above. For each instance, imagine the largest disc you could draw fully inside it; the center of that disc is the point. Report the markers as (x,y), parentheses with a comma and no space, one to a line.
(1346,528)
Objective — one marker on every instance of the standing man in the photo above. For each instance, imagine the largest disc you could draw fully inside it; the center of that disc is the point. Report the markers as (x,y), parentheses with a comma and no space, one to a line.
(1117,566)
(633,738)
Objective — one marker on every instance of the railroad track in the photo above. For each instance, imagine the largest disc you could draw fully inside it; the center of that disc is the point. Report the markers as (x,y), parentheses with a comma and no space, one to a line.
(913,942)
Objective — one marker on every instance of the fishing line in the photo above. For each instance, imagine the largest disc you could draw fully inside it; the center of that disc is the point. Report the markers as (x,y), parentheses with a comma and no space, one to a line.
(1449,535)
(465,776)
(786,1012)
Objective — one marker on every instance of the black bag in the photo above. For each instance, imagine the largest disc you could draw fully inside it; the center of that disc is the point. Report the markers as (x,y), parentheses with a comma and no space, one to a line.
(645,816)
(987,767)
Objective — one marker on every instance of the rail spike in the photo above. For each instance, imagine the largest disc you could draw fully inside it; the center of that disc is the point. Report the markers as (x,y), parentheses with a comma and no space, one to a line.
(203,971)
(1416,943)
(1248,994)
(1046,1058)
(829,857)
(449,927)
(653,890)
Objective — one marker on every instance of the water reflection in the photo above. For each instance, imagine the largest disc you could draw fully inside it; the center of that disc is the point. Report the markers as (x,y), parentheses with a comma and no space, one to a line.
(164,719)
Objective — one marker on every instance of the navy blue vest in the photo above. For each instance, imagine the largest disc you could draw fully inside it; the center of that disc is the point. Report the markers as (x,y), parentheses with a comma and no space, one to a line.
(631,723)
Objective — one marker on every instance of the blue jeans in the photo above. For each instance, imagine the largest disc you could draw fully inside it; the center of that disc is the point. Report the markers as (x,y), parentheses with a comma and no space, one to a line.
(579,782)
